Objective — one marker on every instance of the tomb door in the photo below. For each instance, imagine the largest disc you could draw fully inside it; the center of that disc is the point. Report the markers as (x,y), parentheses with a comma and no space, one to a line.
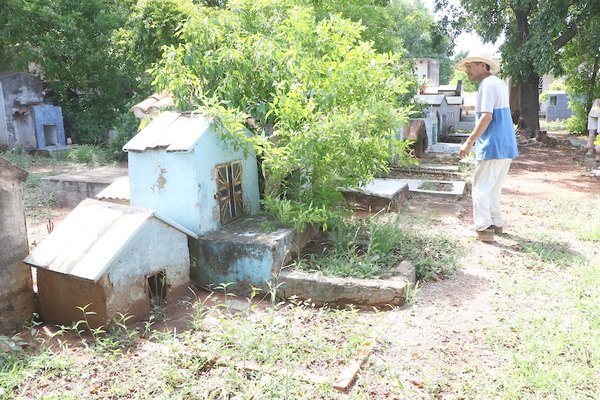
(229,191)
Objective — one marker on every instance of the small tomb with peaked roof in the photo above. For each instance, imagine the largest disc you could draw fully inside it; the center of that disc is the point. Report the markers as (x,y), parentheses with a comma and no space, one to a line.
(109,260)
(181,168)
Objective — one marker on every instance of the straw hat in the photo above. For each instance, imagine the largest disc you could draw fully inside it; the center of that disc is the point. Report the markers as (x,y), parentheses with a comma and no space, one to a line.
(477,56)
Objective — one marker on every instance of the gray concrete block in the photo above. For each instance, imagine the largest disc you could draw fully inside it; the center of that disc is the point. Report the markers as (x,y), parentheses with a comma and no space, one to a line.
(363,293)
(73,188)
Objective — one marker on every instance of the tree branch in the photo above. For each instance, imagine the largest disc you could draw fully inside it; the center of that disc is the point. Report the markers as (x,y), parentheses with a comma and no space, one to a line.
(567,35)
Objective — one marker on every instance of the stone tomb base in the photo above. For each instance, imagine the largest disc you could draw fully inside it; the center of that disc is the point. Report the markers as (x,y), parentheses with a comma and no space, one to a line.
(245,253)
(16,296)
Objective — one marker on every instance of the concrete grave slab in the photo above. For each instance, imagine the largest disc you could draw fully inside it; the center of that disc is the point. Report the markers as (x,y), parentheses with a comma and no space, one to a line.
(432,169)
(75,187)
(456,188)
(378,194)
(449,148)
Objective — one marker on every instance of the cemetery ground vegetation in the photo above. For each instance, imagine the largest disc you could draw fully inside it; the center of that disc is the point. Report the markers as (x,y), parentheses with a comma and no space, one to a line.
(518,319)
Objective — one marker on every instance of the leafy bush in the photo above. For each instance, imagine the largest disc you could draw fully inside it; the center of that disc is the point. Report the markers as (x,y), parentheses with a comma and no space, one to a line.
(577,122)
(128,126)
(326,104)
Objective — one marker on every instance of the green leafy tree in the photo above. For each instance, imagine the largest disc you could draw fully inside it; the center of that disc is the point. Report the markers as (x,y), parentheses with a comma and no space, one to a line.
(325,103)
(71,45)
(535,31)
(397,25)
(150,25)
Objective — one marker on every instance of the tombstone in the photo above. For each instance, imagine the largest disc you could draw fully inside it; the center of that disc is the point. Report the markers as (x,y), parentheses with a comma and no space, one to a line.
(16,293)
(415,131)
(24,120)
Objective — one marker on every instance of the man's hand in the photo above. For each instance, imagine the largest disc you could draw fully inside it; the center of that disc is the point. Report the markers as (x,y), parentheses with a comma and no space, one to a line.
(480,126)
(465,149)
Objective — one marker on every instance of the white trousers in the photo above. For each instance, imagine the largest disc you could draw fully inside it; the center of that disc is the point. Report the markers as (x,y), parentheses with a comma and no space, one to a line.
(487,186)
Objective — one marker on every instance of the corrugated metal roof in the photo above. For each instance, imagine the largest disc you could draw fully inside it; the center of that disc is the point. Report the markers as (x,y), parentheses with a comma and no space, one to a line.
(170,130)
(86,242)
(118,190)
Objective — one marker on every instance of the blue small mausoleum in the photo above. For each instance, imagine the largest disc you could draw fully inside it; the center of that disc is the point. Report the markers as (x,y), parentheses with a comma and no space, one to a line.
(181,168)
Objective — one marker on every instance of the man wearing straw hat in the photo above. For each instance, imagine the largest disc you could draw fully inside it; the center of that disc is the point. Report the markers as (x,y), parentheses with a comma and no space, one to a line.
(493,140)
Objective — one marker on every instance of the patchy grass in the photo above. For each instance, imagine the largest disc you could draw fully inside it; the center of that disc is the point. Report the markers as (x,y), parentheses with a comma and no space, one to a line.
(550,343)
(554,126)
(372,249)
(264,352)
(38,203)
(93,156)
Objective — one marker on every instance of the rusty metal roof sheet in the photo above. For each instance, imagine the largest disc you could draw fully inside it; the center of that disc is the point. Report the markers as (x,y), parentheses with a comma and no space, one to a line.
(172,131)
(90,238)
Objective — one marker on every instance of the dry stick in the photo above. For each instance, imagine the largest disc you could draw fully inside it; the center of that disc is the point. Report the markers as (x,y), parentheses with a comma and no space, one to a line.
(348,374)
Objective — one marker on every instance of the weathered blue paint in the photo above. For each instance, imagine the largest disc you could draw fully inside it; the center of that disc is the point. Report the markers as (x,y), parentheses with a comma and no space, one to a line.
(223,262)
(243,254)
(182,185)
(48,115)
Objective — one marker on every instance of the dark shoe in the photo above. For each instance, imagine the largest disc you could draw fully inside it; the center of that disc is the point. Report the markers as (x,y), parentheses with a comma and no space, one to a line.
(497,229)
(486,235)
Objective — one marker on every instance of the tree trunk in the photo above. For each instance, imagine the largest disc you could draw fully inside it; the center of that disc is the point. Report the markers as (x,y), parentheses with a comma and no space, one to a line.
(529,103)
(590,95)
(525,98)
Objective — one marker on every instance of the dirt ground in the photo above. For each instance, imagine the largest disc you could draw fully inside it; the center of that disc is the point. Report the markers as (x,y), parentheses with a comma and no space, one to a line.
(439,335)
(435,333)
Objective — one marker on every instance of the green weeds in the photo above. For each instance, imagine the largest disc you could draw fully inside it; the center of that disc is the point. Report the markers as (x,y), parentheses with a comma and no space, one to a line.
(542,249)
(267,351)
(90,155)
(550,349)
(372,249)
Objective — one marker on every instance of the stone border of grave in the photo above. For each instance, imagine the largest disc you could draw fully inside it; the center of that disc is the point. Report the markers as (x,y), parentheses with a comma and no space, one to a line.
(362,293)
